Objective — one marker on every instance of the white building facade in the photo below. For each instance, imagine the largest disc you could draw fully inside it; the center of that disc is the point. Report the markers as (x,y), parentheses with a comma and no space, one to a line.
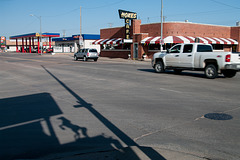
(71,44)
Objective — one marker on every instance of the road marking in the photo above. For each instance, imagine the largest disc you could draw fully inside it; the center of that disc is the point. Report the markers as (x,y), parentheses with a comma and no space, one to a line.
(34,60)
(21,124)
(231,110)
(169,90)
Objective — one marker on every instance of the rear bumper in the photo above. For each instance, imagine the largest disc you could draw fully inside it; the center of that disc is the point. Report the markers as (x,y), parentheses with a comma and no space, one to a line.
(233,66)
(92,57)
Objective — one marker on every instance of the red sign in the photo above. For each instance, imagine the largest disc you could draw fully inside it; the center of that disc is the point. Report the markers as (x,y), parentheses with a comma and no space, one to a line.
(3,42)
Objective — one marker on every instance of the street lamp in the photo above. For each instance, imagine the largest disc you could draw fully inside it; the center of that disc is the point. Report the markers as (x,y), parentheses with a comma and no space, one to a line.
(40,18)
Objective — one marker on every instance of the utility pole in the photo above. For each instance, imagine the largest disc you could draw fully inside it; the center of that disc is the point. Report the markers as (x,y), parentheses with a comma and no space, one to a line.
(80,36)
(161,40)
(64,33)
(41,43)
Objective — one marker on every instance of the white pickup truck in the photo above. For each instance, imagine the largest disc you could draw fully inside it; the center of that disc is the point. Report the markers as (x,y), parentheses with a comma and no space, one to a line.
(197,56)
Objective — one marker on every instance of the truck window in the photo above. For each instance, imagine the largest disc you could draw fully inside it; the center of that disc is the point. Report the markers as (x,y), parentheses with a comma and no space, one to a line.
(204,48)
(175,49)
(188,48)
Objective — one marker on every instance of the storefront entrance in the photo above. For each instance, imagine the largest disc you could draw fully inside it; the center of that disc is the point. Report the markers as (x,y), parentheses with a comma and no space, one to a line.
(135,50)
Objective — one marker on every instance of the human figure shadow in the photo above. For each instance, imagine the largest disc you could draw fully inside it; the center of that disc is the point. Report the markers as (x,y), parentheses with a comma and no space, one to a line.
(149,152)
(75,128)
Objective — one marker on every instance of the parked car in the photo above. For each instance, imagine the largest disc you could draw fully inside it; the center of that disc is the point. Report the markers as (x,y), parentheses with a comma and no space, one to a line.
(49,50)
(86,53)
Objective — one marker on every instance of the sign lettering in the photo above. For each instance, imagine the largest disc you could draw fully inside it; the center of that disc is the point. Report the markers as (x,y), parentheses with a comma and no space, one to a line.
(127,15)
(127,28)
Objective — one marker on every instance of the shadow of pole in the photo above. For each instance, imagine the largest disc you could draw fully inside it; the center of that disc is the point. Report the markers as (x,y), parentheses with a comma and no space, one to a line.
(120,134)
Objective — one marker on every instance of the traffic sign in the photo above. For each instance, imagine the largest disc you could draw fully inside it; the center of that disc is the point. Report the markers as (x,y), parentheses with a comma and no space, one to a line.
(80,40)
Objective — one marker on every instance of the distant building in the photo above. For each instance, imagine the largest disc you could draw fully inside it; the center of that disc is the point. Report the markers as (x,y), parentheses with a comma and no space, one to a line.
(71,44)
(32,42)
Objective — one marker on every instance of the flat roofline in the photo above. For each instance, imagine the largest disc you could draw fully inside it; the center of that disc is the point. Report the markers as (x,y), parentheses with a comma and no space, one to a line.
(189,23)
(35,35)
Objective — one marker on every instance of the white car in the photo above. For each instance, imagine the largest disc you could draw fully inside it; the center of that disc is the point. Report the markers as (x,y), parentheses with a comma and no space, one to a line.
(86,53)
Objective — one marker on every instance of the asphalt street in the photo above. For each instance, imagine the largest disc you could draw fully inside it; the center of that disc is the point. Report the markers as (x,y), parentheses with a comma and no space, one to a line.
(52,107)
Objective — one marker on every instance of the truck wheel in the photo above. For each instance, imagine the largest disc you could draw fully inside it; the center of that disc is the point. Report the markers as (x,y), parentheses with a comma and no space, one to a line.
(229,73)
(211,71)
(159,68)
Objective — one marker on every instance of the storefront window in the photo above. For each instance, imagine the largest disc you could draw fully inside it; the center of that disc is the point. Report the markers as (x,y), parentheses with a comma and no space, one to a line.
(156,47)
(125,46)
(217,46)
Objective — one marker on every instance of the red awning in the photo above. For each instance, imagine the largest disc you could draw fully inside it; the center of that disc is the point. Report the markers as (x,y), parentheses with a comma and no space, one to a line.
(208,40)
(108,41)
(188,39)
(169,39)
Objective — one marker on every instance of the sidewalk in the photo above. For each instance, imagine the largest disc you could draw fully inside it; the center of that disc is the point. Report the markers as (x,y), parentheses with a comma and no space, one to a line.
(124,60)
(105,59)
(71,55)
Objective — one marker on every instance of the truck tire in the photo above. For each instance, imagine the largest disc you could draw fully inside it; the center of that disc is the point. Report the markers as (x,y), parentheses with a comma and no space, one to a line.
(211,71)
(159,67)
(229,73)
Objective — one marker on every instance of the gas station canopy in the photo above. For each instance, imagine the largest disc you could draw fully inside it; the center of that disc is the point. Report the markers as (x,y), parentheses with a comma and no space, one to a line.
(29,39)
(35,35)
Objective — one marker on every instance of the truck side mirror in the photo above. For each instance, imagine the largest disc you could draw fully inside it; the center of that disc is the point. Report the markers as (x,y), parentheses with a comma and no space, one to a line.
(168,50)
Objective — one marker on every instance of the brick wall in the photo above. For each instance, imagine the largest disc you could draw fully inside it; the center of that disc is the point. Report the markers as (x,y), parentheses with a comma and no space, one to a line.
(135,27)
(118,32)
(141,48)
(186,29)
(115,54)
(235,34)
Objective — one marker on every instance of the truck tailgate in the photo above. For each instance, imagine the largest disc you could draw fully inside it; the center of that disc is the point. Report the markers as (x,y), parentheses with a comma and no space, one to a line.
(235,58)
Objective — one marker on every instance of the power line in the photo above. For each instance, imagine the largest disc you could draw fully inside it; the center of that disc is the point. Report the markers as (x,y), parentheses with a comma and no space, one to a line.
(77,9)
(183,14)
(107,5)
(224,4)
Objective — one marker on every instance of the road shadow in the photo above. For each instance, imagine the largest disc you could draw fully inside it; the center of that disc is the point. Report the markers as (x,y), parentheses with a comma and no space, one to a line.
(75,128)
(199,74)
(150,153)
(21,129)
(26,131)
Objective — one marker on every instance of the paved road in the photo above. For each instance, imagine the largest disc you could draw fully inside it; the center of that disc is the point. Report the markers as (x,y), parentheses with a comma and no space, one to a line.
(114,109)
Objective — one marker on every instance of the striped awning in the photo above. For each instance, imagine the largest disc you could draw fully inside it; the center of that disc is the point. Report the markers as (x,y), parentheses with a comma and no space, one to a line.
(188,39)
(108,41)
(208,40)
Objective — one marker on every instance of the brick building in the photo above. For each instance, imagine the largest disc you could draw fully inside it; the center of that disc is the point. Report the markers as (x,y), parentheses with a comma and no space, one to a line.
(145,38)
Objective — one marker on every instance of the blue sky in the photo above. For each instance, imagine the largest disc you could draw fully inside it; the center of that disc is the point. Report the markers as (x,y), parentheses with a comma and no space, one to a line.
(60,16)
